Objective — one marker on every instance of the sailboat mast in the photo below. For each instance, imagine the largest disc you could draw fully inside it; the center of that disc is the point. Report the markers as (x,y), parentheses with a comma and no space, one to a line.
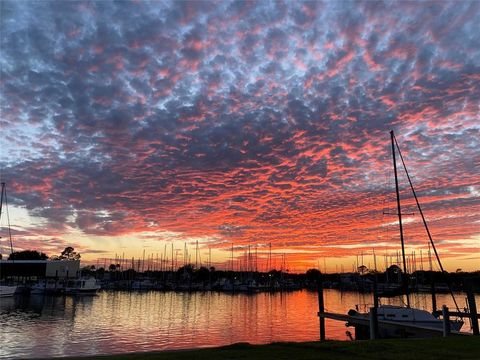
(1,199)
(4,196)
(399,214)
(424,221)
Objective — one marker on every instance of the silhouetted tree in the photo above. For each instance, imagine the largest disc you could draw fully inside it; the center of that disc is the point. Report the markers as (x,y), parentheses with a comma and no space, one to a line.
(202,274)
(28,255)
(394,273)
(186,270)
(88,270)
(69,254)
(362,269)
(312,274)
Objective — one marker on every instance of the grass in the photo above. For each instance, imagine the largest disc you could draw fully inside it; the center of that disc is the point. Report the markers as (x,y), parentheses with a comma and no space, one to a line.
(453,348)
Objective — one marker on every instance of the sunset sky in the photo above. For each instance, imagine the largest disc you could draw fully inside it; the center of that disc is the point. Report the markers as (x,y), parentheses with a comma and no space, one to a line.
(126,126)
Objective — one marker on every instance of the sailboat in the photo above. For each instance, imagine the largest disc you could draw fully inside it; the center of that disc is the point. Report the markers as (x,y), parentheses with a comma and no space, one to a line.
(6,290)
(391,318)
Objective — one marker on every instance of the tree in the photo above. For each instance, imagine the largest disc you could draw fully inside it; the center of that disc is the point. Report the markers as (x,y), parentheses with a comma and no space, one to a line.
(313,274)
(186,270)
(69,254)
(88,270)
(202,274)
(28,255)
(362,269)
(394,272)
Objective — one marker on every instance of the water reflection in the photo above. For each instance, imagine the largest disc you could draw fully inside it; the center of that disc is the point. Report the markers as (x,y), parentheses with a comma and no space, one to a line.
(112,322)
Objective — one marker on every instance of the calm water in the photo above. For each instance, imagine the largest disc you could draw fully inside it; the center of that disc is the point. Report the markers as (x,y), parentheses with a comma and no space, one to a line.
(113,322)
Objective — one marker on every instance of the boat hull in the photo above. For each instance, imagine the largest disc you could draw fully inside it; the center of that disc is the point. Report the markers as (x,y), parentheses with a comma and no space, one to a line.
(400,322)
(7,291)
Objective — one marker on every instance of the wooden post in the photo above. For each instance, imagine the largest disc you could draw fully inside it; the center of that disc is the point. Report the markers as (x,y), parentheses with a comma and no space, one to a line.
(434,298)
(373,323)
(321,308)
(473,309)
(446,321)
(373,311)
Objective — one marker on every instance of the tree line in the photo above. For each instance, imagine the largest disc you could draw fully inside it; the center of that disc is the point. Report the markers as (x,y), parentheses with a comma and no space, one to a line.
(68,253)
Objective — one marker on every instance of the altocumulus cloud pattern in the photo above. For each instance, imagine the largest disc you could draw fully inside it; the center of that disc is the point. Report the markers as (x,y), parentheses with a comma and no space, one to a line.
(252,122)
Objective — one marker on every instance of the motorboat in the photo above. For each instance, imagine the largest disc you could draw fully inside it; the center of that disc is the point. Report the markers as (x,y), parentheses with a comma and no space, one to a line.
(86,286)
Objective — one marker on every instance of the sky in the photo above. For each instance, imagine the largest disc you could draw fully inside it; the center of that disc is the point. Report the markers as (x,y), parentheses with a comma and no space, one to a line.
(127,127)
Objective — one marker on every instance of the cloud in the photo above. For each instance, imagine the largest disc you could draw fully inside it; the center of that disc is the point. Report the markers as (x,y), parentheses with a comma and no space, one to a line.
(254,121)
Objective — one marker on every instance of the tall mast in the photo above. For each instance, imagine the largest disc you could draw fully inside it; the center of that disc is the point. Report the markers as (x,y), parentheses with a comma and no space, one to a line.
(4,192)
(196,256)
(172,257)
(399,215)
(232,256)
(425,222)
(269,257)
(1,199)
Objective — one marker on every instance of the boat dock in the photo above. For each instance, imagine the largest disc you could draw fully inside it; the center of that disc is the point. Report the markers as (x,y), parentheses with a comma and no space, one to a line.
(367,327)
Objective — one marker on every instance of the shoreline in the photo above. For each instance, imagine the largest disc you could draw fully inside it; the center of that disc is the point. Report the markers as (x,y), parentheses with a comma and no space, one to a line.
(464,347)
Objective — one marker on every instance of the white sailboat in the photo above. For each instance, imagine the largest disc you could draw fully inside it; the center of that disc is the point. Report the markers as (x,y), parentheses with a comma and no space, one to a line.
(390,315)
(6,290)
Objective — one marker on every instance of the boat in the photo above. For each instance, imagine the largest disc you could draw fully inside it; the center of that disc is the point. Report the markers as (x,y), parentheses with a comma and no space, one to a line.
(142,285)
(6,291)
(48,286)
(85,286)
(399,322)
(402,321)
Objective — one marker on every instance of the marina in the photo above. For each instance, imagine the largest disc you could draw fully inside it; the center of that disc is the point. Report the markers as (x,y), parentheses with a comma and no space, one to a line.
(387,321)
(119,321)
(240,179)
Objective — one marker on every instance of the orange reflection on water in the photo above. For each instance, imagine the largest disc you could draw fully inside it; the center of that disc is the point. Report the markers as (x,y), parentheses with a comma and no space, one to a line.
(114,322)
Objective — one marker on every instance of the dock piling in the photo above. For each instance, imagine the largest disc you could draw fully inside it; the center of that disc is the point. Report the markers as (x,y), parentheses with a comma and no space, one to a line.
(373,323)
(434,298)
(446,321)
(473,309)
(373,312)
(321,307)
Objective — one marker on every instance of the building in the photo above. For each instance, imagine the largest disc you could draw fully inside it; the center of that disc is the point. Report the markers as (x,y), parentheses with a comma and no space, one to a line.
(39,268)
